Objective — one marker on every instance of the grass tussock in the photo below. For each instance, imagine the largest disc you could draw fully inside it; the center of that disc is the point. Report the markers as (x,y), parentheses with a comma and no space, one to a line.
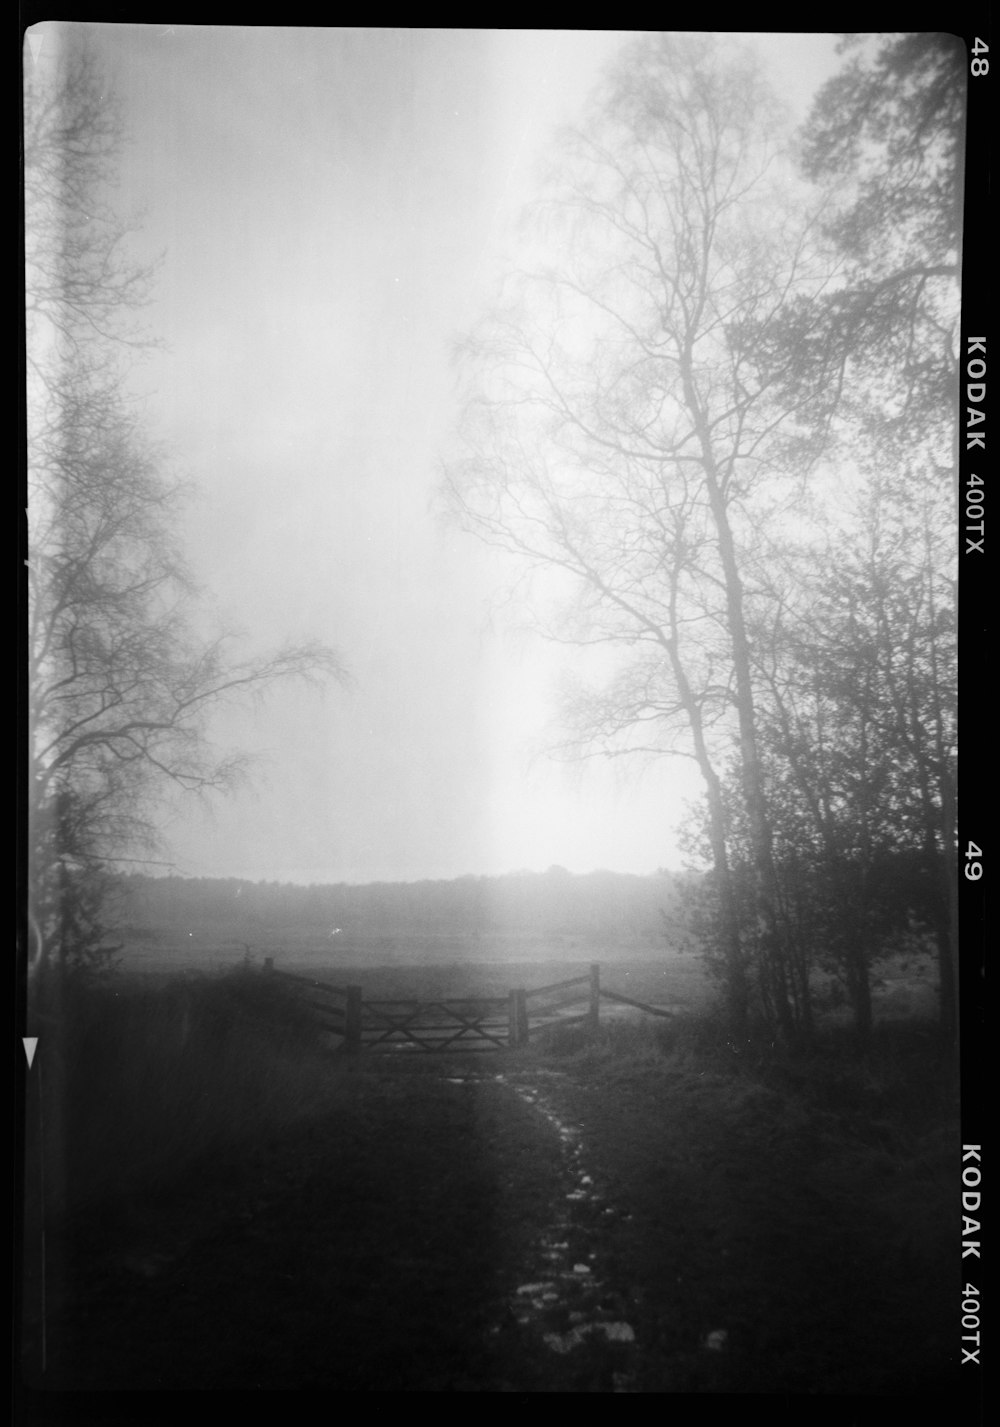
(901,1073)
(897,1101)
(146,1082)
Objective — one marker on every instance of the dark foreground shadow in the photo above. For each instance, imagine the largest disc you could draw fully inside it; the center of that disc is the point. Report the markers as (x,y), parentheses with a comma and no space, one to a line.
(351,1254)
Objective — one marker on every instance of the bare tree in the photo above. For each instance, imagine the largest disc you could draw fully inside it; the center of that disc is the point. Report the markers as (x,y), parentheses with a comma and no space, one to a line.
(119,683)
(618,429)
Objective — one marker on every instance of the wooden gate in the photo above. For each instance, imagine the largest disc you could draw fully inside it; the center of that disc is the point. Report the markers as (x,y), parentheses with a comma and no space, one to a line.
(473,1023)
(555,1004)
(468,1023)
(338,1008)
(476,1024)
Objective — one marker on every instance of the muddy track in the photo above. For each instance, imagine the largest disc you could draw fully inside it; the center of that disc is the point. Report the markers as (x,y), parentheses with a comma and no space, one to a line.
(564,1324)
(480,1224)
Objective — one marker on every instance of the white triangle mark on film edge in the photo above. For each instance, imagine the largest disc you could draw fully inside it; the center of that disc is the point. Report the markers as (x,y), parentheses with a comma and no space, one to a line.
(30,1045)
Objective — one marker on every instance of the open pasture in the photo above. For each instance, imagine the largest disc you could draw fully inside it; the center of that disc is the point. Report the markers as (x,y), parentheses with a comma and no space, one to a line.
(670,981)
(401,967)
(309,950)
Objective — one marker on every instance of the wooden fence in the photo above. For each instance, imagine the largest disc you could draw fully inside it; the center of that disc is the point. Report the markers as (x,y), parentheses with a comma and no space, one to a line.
(338,1008)
(475,1023)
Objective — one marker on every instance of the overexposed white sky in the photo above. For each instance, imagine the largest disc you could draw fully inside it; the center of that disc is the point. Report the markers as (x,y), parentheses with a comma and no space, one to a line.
(332,206)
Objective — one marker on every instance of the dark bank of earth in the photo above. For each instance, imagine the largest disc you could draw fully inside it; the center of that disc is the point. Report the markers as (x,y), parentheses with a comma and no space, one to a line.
(355,1253)
(755,1247)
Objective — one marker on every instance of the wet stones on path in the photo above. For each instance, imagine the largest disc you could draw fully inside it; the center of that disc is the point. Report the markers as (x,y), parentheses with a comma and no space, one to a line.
(565,1318)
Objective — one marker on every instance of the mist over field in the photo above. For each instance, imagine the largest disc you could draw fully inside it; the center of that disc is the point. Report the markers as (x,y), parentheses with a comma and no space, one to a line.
(554,912)
(473,475)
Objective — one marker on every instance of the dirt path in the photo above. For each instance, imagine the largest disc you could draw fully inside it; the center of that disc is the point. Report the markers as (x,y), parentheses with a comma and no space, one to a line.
(482,1225)
(565,1321)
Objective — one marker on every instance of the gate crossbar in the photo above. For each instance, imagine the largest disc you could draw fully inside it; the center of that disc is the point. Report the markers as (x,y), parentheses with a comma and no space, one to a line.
(409,1021)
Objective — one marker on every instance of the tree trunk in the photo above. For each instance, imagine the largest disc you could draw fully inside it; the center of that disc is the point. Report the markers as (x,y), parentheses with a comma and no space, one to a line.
(737,989)
(754,797)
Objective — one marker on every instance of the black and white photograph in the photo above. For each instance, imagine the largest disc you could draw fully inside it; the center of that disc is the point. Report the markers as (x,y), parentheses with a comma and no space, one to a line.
(491,868)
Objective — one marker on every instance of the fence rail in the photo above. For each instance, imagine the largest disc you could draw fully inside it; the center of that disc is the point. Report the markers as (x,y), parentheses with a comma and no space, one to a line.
(312,981)
(455,1023)
(559,985)
(464,1021)
(642,1005)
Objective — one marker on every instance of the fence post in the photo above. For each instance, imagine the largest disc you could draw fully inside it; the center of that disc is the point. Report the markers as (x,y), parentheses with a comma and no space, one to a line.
(517,1033)
(352,1020)
(522,1017)
(595,994)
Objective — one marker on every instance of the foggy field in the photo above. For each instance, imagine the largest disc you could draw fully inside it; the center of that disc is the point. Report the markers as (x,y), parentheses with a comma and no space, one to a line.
(904,986)
(306,952)
(668,981)
(416,967)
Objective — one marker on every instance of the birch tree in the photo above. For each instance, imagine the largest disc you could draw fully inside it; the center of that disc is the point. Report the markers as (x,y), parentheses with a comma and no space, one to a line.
(619,432)
(119,683)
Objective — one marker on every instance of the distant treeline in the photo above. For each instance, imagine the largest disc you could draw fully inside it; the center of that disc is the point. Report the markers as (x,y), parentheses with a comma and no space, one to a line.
(553,903)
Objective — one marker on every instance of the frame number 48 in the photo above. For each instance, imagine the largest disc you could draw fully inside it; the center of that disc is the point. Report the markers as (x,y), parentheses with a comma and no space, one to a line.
(979,66)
